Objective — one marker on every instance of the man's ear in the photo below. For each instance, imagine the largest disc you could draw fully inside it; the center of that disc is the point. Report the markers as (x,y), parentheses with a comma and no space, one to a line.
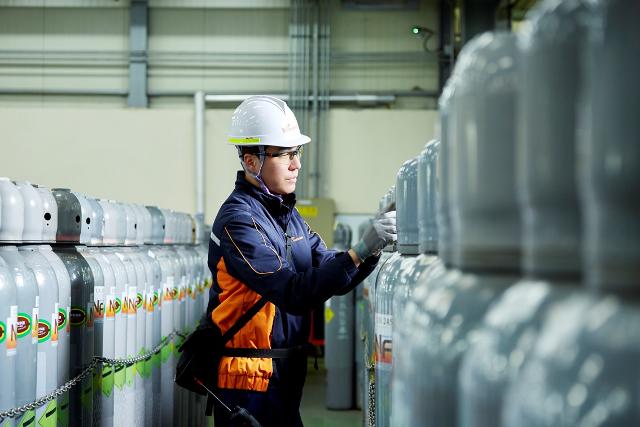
(252,162)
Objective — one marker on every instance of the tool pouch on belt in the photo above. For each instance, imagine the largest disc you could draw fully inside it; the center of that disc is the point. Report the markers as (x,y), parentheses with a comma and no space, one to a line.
(200,353)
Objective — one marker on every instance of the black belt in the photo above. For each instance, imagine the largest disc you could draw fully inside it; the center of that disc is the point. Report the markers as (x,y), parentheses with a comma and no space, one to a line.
(272,353)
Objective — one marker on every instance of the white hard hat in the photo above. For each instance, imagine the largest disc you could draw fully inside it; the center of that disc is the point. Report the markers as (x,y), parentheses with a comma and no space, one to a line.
(265,120)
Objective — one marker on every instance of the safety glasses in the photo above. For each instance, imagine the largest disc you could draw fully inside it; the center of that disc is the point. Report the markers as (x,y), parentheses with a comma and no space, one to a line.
(286,157)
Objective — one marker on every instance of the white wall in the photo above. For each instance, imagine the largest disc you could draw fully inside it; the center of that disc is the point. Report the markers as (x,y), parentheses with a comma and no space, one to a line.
(147,156)
(217,49)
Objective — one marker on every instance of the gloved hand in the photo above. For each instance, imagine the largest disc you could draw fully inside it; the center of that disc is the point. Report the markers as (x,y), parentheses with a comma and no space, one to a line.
(381,232)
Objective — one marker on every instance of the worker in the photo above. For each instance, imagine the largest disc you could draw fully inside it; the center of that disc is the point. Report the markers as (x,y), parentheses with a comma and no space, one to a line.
(261,247)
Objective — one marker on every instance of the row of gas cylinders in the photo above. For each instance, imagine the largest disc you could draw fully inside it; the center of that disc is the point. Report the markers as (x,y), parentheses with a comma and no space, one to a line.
(120,295)
(33,214)
(512,297)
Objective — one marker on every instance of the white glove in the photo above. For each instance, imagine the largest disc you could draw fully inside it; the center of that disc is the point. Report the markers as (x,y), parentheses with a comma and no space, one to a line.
(381,232)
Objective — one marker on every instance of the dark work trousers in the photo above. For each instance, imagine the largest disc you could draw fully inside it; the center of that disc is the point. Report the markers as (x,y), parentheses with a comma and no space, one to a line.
(279,406)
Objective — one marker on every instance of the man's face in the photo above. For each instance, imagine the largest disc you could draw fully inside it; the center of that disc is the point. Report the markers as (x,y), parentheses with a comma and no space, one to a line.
(281,173)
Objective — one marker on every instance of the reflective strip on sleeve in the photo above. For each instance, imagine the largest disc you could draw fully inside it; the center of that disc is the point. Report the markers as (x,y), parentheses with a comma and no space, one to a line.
(215,239)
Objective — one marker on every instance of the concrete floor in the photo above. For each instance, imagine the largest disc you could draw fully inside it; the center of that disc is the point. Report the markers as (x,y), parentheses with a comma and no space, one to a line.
(313,410)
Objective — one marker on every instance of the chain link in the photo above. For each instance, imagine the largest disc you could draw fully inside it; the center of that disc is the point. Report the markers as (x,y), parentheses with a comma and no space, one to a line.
(12,413)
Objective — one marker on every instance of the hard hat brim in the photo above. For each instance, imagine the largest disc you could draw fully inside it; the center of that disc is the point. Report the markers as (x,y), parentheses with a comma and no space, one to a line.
(268,140)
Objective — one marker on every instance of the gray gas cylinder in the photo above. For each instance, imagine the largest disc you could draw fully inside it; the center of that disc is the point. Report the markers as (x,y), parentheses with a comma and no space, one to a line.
(338,333)
(12,212)
(144,369)
(81,342)
(157,225)
(413,282)
(97,222)
(33,212)
(129,310)
(86,216)
(390,302)
(382,327)
(104,338)
(550,53)
(27,330)
(69,216)
(586,355)
(155,361)
(47,366)
(166,307)
(8,339)
(64,327)
(482,203)
(441,273)
(132,224)
(122,391)
(50,215)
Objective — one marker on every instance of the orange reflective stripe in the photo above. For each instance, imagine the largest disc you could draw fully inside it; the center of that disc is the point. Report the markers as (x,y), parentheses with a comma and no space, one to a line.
(236,298)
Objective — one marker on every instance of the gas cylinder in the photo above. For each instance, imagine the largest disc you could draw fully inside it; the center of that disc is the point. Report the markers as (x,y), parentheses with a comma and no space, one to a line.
(338,333)
(155,362)
(166,305)
(12,212)
(157,225)
(26,330)
(50,215)
(583,369)
(33,212)
(64,327)
(104,338)
(97,222)
(86,213)
(413,282)
(482,204)
(81,342)
(69,216)
(545,153)
(47,329)
(8,339)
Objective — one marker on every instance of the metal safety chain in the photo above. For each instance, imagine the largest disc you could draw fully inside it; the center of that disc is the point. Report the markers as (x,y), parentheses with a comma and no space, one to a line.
(12,413)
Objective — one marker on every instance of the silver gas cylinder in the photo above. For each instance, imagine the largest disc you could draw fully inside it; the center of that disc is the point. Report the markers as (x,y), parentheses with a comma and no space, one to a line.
(484,216)
(64,327)
(414,282)
(69,216)
(86,214)
(157,225)
(26,329)
(11,212)
(47,325)
(584,370)
(153,307)
(338,337)
(104,337)
(441,274)
(169,224)
(388,278)
(50,215)
(33,212)
(81,340)
(551,70)
(132,224)
(8,340)
(97,222)
(129,294)
(166,308)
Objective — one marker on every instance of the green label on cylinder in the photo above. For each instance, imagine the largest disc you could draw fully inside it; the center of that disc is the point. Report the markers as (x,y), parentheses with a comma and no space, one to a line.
(50,416)
(87,393)
(107,380)
(165,353)
(155,359)
(28,419)
(130,375)
(119,376)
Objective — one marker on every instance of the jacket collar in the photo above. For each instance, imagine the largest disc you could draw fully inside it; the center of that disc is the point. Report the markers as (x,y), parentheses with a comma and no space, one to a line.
(276,205)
